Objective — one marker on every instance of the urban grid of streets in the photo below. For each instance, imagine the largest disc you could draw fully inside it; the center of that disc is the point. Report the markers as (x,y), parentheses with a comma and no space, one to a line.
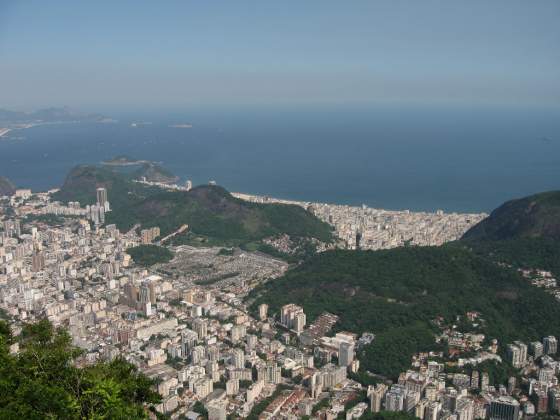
(186,323)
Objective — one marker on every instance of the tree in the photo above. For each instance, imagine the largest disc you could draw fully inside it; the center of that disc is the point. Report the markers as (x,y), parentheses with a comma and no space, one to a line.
(42,381)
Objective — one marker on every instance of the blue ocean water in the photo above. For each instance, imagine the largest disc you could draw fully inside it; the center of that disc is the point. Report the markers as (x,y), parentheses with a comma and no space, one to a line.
(395,157)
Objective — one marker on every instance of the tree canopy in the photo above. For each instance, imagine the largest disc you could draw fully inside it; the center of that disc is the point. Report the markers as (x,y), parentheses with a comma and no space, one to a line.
(42,380)
(397,293)
(147,255)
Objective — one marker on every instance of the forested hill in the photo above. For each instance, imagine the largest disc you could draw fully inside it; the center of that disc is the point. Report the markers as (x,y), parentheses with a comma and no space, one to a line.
(396,293)
(155,173)
(529,217)
(210,211)
(524,233)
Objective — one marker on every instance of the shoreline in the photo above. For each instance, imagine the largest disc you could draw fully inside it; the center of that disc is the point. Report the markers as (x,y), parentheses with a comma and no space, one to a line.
(125,163)
(264,199)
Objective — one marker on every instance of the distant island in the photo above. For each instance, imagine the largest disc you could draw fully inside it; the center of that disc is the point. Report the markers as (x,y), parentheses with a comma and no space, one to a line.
(139,123)
(180,126)
(123,160)
(147,170)
(10,120)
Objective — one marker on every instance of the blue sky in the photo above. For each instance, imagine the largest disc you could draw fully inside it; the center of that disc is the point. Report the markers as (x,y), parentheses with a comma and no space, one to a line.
(175,53)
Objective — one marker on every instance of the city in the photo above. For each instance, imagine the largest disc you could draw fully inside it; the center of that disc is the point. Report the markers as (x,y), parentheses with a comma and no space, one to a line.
(315,210)
(186,323)
(368,228)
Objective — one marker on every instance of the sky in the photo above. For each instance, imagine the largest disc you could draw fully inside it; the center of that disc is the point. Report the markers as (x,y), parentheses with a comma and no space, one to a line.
(99,54)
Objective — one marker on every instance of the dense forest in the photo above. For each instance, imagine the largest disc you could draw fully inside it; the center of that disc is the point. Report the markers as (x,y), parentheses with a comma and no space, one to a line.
(535,216)
(523,233)
(42,381)
(541,253)
(148,255)
(397,293)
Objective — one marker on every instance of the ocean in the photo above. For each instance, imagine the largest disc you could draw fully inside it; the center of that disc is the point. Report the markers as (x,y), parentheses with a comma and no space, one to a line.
(466,159)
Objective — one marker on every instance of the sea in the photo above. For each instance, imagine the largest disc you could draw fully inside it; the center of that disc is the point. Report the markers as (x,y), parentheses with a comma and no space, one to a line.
(422,158)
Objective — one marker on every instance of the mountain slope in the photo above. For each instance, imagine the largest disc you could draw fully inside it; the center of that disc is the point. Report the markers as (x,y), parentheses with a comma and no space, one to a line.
(396,293)
(526,253)
(6,187)
(523,233)
(155,173)
(209,210)
(534,216)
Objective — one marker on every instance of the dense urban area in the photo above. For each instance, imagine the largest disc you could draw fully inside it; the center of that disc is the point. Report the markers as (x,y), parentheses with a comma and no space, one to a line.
(185,317)
(369,228)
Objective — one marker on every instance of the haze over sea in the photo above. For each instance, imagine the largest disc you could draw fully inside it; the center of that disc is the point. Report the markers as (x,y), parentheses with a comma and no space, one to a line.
(456,158)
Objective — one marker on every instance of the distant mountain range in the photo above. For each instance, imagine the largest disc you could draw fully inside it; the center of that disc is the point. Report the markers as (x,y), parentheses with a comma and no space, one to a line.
(47,115)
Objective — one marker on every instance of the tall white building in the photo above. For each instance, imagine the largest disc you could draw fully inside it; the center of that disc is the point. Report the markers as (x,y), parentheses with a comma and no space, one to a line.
(102,200)
(394,399)
(200,326)
(292,317)
(263,311)
(550,345)
(102,196)
(299,322)
(238,358)
(203,387)
(376,395)
(345,354)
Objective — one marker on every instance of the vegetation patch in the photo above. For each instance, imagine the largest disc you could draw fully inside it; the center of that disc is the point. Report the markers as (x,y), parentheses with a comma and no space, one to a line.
(397,294)
(211,212)
(148,255)
(42,380)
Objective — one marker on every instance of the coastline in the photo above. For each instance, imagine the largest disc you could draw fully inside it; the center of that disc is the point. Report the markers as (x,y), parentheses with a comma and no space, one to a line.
(305,204)
(125,163)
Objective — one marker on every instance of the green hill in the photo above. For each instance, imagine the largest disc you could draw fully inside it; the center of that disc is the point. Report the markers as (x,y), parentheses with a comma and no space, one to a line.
(524,233)
(6,187)
(151,171)
(155,173)
(536,216)
(396,293)
(210,211)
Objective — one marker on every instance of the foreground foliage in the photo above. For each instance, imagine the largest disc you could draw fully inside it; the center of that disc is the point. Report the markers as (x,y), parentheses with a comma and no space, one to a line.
(41,381)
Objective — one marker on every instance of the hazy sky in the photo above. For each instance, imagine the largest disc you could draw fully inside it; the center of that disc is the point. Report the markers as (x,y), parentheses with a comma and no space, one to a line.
(172,53)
